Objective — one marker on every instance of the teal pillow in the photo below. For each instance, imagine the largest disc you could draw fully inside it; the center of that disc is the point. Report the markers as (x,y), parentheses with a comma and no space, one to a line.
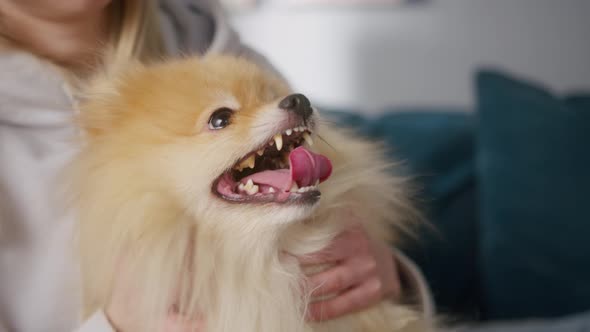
(533,165)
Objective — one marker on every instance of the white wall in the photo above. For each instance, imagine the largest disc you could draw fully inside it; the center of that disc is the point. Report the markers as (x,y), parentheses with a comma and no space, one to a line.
(424,54)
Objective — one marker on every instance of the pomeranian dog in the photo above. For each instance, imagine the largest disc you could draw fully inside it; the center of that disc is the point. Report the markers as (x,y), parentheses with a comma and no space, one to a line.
(206,177)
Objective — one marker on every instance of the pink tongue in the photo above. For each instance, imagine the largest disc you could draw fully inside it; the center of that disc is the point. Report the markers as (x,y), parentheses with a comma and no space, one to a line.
(306,169)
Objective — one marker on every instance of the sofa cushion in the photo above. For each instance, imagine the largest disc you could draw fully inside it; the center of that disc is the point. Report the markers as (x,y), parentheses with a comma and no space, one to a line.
(534,183)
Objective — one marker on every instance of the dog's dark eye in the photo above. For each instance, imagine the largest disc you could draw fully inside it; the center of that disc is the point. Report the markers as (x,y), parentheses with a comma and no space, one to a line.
(220,118)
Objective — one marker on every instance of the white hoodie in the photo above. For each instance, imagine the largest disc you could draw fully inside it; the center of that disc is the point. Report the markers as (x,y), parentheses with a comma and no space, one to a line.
(38,277)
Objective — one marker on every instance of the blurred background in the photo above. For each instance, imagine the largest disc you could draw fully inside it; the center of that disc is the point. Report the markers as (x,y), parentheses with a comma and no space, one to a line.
(374,54)
(487,105)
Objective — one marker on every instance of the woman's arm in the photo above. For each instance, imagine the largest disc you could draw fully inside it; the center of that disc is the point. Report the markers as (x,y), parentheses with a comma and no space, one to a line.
(414,282)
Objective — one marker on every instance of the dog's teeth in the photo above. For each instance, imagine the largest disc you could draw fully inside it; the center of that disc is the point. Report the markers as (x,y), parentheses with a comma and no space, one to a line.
(271,190)
(278,138)
(250,162)
(296,129)
(241,187)
(271,143)
(308,139)
(252,190)
(260,152)
(303,189)
(289,132)
(294,187)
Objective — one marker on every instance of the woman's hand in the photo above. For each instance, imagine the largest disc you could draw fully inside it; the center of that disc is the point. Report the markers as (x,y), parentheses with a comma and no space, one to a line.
(364,273)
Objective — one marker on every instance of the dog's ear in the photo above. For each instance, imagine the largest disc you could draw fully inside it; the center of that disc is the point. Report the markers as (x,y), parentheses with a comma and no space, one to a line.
(98,100)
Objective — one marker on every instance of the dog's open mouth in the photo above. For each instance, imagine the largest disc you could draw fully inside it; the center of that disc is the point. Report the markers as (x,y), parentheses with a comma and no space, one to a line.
(282,170)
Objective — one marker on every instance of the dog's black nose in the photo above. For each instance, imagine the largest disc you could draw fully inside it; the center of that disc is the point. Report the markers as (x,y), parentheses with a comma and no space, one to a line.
(297,103)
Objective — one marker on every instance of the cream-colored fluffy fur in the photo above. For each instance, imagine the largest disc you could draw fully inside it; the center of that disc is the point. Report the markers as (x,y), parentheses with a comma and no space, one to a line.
(142,190)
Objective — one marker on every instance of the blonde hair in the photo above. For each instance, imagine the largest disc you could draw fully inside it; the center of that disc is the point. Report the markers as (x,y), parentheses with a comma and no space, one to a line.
(134,32)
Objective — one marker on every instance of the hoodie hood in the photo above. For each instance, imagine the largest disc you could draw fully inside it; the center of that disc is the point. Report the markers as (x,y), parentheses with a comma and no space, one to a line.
(196,26)
(32,92)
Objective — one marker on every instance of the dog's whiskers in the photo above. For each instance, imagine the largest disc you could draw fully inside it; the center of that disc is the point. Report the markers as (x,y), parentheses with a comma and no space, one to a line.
(261,126)
(330,122)
(323,140)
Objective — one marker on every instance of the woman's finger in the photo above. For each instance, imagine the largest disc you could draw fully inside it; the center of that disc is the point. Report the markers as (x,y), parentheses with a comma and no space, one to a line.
(341,277)
(352,300)
(349,243)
